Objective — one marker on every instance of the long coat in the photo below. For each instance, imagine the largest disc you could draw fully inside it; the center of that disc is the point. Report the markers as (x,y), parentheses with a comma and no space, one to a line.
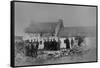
(67,42)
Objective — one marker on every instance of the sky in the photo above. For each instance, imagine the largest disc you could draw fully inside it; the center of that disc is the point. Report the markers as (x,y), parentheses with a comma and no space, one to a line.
(72,16)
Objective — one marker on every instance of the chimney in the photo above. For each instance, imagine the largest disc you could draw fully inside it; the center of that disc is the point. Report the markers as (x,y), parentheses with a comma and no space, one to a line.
(58,27)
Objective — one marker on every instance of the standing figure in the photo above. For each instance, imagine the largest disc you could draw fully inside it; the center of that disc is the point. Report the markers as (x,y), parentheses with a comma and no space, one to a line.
(72,41)
(27,49)
(30,49)
(67,42)
(50,44)
(55,45)
(45,45)
(35,45)
(58,44)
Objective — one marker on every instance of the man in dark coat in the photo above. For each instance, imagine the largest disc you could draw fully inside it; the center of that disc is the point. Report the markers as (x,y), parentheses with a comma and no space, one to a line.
(54,44)
(32,49)
(67,42)
(45,45)
(49,44)
(72,42)
(36,47)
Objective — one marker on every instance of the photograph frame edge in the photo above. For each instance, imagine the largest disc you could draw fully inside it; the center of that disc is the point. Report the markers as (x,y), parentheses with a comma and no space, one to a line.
(12,29)
(12,34)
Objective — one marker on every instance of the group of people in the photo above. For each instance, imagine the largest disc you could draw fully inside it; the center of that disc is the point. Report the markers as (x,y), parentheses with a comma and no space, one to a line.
(32,46)
(51,45)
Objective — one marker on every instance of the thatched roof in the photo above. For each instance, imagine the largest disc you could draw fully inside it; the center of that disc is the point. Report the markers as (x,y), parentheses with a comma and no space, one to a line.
(41,27)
